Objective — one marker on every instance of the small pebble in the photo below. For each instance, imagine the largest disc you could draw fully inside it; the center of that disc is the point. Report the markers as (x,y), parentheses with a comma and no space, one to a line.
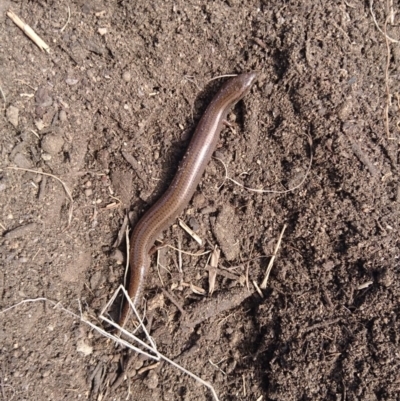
(12,116)
(46,157)
(71,81)
(88,192)
(84,348)
(22,161)
(126,76)
(386,278)
(95,280)
(118,256)
(102,31)
(62,115)
(52,144)
(151,381)
(42,97)
(194,224)
(39,124)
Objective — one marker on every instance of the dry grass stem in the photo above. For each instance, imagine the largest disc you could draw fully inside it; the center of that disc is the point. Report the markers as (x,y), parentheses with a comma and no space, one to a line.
(4,97)
(216,367)
(151,346)
(271,262)
(180,263)
(188,253)
(371,2)
(158,268)
(29,31)
(388,97)
(223,76)
(68,19)
(197,290)
(173,300)
(258,289)
(149,367)
(127,255)
(212,270)
(34,133)
(365,285)
(183,225)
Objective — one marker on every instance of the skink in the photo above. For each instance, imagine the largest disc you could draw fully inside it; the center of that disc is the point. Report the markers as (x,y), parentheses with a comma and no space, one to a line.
(184,184)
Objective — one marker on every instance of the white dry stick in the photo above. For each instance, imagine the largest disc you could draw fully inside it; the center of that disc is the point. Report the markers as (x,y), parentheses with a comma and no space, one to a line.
(69,17)
(4,97)
(180,262)
(152,347)
(29,31)
(271,262)
(190,232)
(188,253)
(212,269)
(258,289)
(127,254)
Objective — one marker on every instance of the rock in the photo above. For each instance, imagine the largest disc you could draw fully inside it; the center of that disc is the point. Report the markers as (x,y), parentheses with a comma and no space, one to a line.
(52,144)
(46,157)
(12,116)
(43,98)
(126,76)
(151,381)
(225,231)
(71,81)
(194,224)
(22,161)
(62,115)
(84,348)
(118,256)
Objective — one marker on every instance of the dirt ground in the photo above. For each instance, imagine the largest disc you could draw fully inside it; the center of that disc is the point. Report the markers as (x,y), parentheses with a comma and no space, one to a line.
(109,112)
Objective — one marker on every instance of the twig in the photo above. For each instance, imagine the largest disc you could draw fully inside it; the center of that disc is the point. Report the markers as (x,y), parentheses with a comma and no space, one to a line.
(271,262)
(29,31)
(173,300)
(190,232)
